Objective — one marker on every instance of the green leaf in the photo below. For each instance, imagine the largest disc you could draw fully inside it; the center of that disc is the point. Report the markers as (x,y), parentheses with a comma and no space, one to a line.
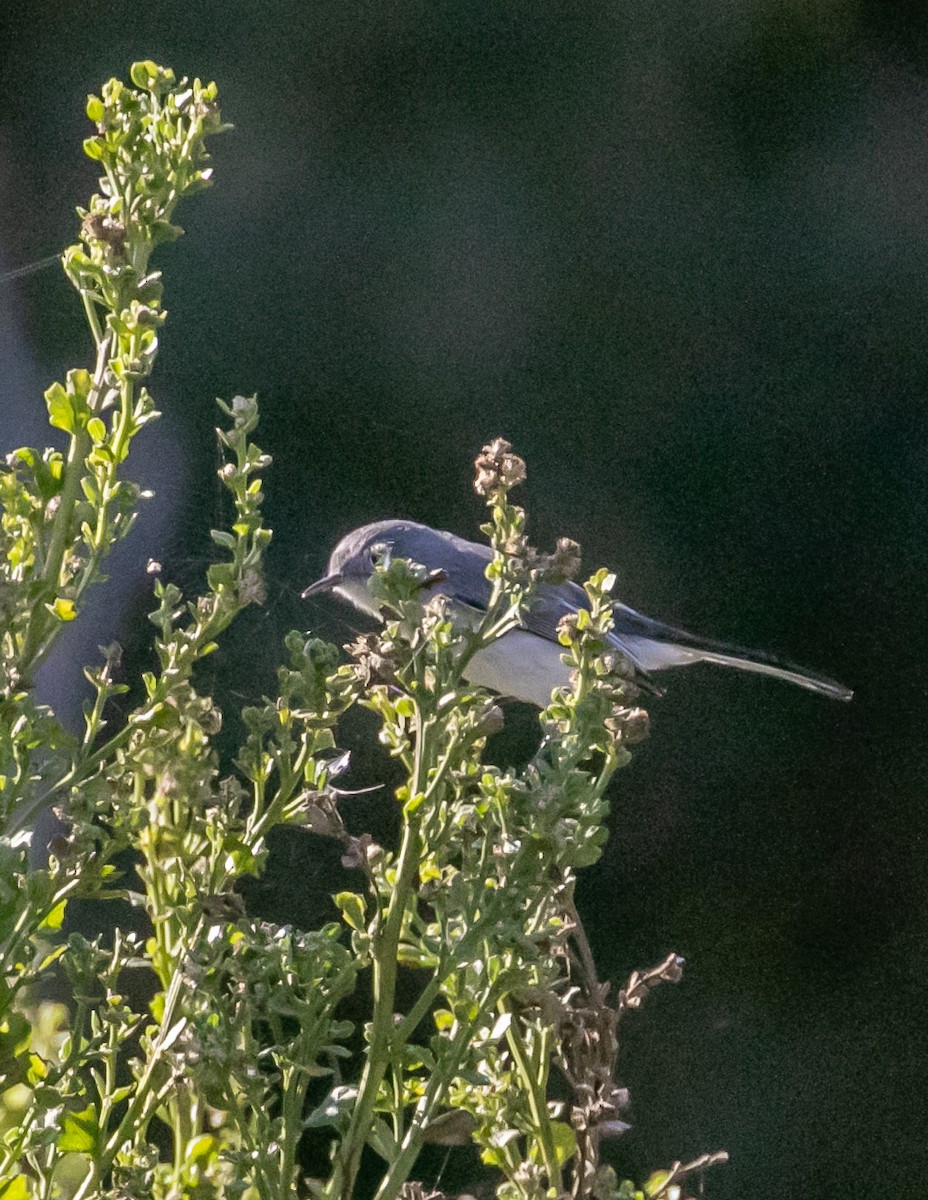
(351,906)
(428,871)
(381,1140)
(38,1069)
(63,609)
(565,1141)
(52,956)
(453,1128)
(79,1131)
(56,916)
(14,1035)
(164,231)
(413,956)
(15,1188)
(93,148)
(80,383)
(95,109)
(202,1147)
(413,803)
(144,74)
(61,412)
(656,1182)
(97,429)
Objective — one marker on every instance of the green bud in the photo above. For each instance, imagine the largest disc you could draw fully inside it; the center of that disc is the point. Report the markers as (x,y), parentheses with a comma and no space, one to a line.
(95,109)
(144,74)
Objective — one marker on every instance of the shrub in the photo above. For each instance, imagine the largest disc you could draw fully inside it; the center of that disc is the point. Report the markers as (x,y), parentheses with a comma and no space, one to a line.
(509,1040)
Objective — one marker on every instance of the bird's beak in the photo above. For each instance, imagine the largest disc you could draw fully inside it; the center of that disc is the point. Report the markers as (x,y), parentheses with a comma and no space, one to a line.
(325,584)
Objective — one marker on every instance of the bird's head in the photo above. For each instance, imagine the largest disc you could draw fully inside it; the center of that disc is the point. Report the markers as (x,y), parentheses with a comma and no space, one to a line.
(359,553)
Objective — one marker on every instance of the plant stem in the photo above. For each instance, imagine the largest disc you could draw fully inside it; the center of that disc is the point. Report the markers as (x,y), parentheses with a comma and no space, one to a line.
(348,1158)
(537,1100)
(441,1077)
(39,637)
(143,1103)
(294,1092)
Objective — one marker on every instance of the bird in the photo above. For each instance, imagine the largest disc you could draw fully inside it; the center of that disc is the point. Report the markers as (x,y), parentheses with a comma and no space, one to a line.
(526,663)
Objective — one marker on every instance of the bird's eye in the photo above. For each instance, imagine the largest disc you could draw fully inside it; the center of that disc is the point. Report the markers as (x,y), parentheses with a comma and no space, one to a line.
(379,555)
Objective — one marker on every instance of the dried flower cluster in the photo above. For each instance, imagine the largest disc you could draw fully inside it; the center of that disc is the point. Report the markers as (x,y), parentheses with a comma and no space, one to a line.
(497,468)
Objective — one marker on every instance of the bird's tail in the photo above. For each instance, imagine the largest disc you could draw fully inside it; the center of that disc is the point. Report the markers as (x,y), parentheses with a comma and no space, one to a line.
(653,646)
(762,664)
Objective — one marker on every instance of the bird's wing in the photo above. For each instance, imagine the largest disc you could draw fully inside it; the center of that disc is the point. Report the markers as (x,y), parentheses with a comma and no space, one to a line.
(553,602)
(464,565)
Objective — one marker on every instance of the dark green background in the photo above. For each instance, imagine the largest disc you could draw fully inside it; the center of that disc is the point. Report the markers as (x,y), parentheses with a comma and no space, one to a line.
(677,253)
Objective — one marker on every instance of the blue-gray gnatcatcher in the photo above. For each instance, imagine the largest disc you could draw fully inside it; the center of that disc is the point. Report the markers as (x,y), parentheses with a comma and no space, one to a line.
(526,663)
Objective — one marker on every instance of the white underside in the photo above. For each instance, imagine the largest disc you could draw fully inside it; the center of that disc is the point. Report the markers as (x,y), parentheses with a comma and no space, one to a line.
(521,665)
(528,667)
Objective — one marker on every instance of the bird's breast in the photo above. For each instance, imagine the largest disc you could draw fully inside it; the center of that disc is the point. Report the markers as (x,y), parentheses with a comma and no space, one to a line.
(521,665)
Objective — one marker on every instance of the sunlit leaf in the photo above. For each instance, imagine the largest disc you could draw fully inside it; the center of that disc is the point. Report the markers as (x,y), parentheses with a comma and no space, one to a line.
(79,1131)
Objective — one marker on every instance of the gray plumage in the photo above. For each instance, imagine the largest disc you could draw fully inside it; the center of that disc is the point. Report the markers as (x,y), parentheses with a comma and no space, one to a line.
(526,663)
